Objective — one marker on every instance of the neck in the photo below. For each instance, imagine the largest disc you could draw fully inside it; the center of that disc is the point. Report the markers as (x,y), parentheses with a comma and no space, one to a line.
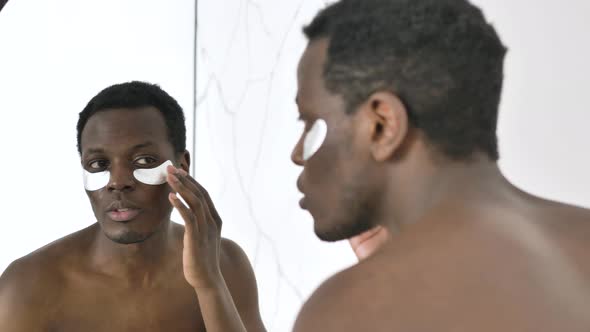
(420,188)
(140,263)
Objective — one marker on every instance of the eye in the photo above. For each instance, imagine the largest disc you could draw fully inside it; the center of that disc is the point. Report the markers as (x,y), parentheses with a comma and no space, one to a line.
(98,165)
(145,161)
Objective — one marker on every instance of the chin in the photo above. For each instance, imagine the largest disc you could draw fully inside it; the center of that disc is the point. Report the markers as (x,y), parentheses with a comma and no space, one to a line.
(342,229)
(331,233)
(329,236)
(127,237)
(135,231)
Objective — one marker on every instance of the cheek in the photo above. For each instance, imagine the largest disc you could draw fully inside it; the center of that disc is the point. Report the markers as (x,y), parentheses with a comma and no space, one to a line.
(331,170)
(157,198)
(323,173)
(94,197)
(332,159)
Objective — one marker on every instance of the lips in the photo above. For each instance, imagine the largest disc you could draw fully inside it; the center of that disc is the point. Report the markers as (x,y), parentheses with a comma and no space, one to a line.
(123,215)
(300,187)
(300,184)
(302,203)
(122,211)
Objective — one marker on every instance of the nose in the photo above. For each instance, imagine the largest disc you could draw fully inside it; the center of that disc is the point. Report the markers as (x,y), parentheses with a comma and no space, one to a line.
(121,178)
(297,154)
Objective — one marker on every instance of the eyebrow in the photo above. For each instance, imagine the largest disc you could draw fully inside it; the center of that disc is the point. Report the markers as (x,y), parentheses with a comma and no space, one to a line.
(143,145)
(94,150)
(134,148)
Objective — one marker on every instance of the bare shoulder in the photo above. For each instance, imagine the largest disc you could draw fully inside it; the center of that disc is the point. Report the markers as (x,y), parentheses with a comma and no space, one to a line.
(48,259)
(32,272)
(27,288)
(562,216)
(452,276)
(321,311)
(232,252)
(21,304)
(345,302)
(237,270)
(241,282)
(385,292)
(394,290)
(30,286)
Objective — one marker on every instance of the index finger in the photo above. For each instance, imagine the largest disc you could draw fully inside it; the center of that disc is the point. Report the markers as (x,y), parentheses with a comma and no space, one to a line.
(197,186)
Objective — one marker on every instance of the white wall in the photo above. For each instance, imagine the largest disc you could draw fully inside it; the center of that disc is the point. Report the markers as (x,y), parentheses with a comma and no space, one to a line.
(54,56)
(246,127)
(545,109)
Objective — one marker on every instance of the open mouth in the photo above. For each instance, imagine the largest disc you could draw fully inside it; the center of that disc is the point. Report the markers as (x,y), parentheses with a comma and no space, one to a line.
(123,214)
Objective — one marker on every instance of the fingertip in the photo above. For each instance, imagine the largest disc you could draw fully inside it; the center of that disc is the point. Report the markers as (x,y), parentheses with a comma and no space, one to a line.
(172,179)
(170,169)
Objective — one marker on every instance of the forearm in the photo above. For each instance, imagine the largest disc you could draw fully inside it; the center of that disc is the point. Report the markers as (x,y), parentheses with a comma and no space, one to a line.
(218,309)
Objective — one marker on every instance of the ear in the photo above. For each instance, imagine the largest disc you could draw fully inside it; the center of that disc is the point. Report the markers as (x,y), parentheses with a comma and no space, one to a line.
(184,161)
(389,121)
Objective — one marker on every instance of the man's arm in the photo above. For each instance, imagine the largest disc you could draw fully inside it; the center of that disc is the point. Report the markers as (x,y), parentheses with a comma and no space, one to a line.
(236,295)
(207,259)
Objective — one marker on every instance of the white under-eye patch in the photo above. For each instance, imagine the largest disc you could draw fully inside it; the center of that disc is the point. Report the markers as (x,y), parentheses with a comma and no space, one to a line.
(314,138)
(95,181)
(151,176)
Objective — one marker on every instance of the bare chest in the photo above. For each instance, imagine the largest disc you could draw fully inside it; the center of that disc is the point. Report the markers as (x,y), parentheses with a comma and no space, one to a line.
(117,309)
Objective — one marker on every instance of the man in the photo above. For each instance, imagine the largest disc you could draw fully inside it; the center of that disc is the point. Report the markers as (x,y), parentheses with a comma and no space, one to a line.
(134,270)
(409,92)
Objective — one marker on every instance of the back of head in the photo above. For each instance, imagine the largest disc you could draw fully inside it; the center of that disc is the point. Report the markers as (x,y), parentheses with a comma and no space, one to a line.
(137,94)
(440,57)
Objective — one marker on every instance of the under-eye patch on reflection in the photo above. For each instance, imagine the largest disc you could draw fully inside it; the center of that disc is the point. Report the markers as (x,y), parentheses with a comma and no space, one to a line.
(151,176)
(314,138)
(95,181)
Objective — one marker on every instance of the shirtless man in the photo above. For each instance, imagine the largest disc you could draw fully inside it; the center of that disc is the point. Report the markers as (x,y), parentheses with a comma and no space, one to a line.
(408,91)
(134,270)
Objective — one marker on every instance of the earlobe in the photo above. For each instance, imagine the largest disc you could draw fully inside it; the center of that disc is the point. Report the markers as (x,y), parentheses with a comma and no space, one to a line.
(390,125)
(185,161)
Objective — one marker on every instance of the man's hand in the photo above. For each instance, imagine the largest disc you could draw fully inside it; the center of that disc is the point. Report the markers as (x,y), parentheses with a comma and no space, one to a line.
(202,235)
(367,243)
(201,260)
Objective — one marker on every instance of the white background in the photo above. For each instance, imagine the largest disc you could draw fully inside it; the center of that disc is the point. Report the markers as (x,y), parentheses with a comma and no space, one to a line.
(56,55)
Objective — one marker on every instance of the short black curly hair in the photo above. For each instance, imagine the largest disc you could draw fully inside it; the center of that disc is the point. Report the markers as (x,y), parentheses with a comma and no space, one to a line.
(440,57)
(135,95)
